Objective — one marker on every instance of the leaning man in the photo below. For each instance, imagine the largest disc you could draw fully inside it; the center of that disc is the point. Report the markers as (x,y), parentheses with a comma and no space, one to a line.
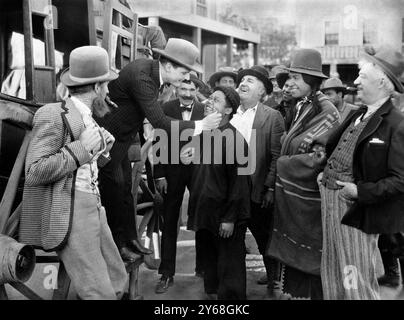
(362,186)
(62,211)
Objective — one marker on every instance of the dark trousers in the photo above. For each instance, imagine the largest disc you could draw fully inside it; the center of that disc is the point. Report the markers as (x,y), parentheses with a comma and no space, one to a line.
(225,269)
(178,179)
(260,225)
(116,194)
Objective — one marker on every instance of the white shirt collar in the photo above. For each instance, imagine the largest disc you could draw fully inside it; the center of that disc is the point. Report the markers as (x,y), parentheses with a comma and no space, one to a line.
(372,108)
(241,111)
(81,107)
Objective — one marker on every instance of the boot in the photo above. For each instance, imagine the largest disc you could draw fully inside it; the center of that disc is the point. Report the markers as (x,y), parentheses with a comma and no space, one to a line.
(273,275)
(391,277)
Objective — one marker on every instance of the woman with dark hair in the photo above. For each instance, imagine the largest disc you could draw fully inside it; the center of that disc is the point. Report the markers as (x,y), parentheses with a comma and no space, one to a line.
(297,235)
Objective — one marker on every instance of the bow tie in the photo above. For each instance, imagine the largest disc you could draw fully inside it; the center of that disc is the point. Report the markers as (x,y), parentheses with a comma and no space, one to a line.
(362,111)
(186,108)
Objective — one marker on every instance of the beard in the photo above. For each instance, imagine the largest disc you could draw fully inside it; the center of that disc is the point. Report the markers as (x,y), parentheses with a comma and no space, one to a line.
(100,107)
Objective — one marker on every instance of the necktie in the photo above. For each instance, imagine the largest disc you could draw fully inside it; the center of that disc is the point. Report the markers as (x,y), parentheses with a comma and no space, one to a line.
(361,113)
(186,108)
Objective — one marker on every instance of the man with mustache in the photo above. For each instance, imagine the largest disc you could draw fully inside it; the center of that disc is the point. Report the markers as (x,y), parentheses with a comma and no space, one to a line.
(172,179)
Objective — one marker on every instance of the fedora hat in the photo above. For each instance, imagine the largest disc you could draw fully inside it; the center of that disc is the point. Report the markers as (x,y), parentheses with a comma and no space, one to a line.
(223,72)
(182,52)
(87,65)
(333,83)
(261,73)
(307,61)
(392,64)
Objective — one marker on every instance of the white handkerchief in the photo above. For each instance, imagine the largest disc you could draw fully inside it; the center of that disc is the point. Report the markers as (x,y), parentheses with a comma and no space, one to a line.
(376,140)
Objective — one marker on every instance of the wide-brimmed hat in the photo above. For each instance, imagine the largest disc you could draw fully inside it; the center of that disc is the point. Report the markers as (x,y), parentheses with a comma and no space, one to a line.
(307,61)
(333,83)
(183,53)
(281,78)
(392,64)
(261,73)
(223,72)
(87,65)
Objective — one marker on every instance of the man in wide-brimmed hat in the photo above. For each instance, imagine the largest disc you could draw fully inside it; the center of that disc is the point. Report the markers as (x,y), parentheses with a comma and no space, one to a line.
(262,127)
(226,77)
(335,91)
(136,93)
(62,211)
(362,185)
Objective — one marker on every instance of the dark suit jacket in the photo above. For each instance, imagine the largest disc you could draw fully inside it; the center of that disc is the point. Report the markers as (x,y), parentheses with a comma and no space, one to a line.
(172,109)
(269,126)
(378,169)
(135,92)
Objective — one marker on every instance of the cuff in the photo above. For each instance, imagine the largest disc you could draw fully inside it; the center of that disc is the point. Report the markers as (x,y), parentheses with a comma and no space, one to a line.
(198,127)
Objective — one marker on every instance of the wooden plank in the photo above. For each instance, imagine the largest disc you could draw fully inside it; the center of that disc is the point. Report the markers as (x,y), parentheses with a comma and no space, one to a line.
(92,33)
(12,223)
(3,293)
(11,189)
(22,288)
(28,48)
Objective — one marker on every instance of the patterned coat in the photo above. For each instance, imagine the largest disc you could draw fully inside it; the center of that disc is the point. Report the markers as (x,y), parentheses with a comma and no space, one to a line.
(54,155)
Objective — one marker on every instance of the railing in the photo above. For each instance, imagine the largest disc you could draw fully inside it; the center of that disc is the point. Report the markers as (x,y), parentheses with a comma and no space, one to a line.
(340,52)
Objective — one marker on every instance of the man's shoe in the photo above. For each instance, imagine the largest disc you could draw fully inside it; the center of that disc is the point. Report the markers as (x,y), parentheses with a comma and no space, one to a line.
(137,247)
(163,284)
(128,255)
(263,280)
(389,280)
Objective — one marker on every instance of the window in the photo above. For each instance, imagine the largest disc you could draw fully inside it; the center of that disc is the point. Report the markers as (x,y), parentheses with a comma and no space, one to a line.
(369,31)
(331,32)
(201,8)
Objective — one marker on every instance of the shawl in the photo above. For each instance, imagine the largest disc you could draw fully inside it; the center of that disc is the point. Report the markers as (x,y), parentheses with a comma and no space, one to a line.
(297,232)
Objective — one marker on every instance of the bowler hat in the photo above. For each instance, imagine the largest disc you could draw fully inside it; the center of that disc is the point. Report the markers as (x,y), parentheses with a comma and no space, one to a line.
(182,52)
(261,73)
(392,64)
(194,78)
(307,61)
(223,72)
(87,65)
(333,83)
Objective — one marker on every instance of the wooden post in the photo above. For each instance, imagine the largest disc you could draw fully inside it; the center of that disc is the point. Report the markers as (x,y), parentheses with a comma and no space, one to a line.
(28,45)
(229,55)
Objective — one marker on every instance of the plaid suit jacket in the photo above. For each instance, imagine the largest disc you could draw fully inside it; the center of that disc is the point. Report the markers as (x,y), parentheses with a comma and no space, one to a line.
(54,155)
(135,92)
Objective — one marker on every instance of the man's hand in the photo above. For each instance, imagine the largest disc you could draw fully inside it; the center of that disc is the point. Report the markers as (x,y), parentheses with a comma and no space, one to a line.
(109,140)
(211,121)
(187,155)
(226,229)
(161,185)
(268,199)
(349,190)
(90,138)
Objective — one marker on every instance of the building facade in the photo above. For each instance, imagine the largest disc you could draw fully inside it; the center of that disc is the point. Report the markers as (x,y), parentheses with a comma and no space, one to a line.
(196,21)
(340,29)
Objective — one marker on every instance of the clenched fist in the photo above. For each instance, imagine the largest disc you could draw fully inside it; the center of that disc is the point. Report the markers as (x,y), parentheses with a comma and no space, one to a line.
(90,138)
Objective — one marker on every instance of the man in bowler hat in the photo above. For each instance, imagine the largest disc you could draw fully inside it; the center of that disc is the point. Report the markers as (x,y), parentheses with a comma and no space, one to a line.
(136,92)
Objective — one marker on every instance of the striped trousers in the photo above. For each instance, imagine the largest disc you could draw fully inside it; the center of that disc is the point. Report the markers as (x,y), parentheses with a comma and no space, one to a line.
(349,256)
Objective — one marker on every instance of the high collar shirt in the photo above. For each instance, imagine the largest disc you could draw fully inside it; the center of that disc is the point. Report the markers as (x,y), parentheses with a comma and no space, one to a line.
(243,121)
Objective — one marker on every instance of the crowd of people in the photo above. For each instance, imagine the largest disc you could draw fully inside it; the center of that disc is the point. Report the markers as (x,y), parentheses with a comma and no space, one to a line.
(318,181)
